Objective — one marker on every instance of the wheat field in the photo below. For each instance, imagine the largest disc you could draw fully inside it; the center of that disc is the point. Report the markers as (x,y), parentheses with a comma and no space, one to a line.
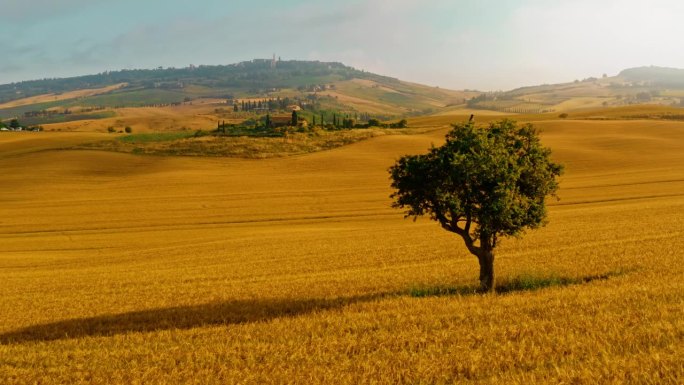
(124,269)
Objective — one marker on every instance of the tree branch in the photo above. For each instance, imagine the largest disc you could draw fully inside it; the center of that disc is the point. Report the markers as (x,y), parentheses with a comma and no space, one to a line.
(446,225)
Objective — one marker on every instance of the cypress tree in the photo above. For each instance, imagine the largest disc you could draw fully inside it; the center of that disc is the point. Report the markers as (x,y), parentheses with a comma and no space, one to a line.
(295,119)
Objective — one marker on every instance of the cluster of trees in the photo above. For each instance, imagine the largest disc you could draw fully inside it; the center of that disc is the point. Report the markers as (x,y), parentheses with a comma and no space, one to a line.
(46,113)
(14,124)
(266,123)
(488,97)
(312,112)
(350,120)
(126,129)
(271,104)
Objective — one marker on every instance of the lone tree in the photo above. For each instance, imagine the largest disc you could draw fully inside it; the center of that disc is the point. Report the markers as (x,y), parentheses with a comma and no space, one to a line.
(483,184)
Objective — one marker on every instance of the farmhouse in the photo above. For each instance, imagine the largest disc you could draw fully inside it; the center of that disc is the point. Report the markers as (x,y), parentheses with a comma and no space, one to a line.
(281,120)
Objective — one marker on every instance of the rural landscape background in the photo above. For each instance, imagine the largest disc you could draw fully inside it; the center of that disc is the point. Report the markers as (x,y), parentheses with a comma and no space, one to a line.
(232,223)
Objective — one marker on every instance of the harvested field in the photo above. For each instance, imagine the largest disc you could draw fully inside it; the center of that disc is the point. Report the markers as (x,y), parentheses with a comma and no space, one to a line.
(117,268)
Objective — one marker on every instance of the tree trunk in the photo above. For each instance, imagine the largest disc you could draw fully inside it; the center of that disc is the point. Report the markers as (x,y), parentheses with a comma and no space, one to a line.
(487,283)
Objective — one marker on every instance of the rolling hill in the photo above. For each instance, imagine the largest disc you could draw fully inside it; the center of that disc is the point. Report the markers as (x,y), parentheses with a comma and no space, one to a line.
(317,86)
(652,85)
(196,98)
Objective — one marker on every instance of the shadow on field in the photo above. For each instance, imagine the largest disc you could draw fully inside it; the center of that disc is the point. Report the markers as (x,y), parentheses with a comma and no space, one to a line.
(249,311)
(519,283)
(183,317)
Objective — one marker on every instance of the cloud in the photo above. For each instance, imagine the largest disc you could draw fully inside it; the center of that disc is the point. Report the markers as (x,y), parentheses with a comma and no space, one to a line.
(388,37)
(459,44)
(584,38)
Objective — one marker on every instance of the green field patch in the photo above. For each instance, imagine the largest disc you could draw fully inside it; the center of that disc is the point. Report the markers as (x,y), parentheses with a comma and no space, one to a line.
(136,98)
(63,118)
(21,110)
(523,282)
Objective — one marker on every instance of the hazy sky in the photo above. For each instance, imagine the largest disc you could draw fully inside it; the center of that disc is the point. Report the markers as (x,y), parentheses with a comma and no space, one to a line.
(483,44)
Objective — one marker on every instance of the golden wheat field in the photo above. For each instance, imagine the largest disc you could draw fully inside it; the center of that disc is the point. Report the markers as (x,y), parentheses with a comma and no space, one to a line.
(200,115)
(124,269)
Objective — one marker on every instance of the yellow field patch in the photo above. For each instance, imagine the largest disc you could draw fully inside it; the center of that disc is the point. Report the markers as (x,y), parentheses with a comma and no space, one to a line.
(366,105)
(124,269)
(581,103)
(63,96)
(200,115)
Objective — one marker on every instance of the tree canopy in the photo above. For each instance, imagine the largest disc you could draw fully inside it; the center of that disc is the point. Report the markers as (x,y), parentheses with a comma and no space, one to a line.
(484,183)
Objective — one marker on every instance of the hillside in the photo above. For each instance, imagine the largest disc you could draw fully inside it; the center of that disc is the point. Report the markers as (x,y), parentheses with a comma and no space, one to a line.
(200,97)
(316,86)
(652,85)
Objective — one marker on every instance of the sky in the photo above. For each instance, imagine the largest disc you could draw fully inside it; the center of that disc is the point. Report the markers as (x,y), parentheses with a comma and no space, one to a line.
(458,44)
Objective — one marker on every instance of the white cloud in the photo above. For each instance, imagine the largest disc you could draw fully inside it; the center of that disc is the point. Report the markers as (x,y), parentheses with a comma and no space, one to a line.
(459,44)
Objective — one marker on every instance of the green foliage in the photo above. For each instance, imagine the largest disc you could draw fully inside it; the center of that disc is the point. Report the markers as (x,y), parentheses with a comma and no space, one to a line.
(373,123)
(483,182)
(133,98)
(128,129)
(62,118)
(14,123)
(400,124)
(295,119)
(523,282)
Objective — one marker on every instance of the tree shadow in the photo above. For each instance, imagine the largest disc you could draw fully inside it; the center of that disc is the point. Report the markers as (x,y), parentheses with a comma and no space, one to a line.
(525,282)
(182,317)
(250,311)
